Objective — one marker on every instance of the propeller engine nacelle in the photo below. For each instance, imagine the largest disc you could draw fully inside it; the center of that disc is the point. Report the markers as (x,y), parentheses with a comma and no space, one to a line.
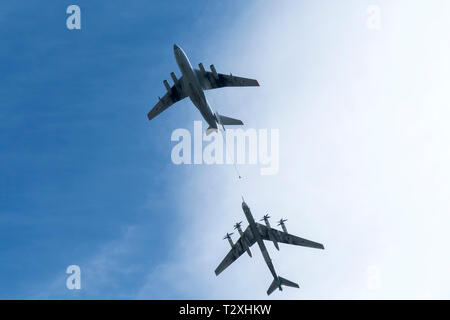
(283,226)
(244,240)
(269,231)
(239,228)
(266,218)
(230,241)
(228,237)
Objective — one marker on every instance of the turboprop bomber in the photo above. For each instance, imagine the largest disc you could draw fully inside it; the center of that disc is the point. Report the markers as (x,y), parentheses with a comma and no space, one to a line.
(257,233)
(192,84)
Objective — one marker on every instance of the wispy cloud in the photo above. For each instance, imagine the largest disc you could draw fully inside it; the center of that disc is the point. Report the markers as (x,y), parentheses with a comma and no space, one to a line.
(362,165)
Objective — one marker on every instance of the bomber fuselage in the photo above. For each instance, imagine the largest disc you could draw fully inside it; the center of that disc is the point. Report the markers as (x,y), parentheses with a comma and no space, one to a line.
(259,240)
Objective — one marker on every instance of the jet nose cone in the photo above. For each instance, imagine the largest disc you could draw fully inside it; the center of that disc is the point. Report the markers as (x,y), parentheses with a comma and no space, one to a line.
(175,47)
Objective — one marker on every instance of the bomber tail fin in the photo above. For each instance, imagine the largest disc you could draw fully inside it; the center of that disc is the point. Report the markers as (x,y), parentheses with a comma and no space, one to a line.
(273,286)
(277,283)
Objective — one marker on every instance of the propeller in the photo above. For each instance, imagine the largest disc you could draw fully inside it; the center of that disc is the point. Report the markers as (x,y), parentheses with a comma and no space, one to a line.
(282,221)
(265,218)
(237,225)
(228,236)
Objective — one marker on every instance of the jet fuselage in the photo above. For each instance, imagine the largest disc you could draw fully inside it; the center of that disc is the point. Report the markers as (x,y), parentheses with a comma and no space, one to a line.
(193,87)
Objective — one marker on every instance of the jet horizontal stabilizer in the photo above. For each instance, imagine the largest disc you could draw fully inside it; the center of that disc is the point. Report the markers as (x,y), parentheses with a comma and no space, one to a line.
(227,121)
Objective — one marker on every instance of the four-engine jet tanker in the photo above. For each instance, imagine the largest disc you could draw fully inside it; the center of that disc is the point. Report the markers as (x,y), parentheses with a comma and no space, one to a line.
(256,233)
(192,84)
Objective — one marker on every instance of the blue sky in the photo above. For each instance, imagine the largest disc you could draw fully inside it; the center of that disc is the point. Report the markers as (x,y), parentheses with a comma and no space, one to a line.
(79,160)
(86,179)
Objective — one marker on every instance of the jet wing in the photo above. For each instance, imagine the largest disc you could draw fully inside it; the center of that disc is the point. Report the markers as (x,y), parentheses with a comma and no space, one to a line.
(176,94)
(208,81)
(237,250)
(284,237)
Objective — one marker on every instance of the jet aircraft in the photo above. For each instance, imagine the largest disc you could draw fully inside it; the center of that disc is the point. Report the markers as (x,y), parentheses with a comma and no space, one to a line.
(256,233)
(192,84)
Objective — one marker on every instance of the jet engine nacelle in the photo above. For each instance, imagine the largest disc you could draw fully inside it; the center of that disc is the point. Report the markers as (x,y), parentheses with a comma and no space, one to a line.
(214,72)
(166,84)
(174,77)
(202,68)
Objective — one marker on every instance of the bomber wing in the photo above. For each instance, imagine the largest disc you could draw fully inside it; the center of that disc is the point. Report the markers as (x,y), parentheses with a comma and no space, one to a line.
(287,238)
(174,94)
(237,250)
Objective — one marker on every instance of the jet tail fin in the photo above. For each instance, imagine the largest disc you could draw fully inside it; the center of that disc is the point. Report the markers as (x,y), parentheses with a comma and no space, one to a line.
(277,283)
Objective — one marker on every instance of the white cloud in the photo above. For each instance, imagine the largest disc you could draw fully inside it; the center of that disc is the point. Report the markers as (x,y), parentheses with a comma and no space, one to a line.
(364,156)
